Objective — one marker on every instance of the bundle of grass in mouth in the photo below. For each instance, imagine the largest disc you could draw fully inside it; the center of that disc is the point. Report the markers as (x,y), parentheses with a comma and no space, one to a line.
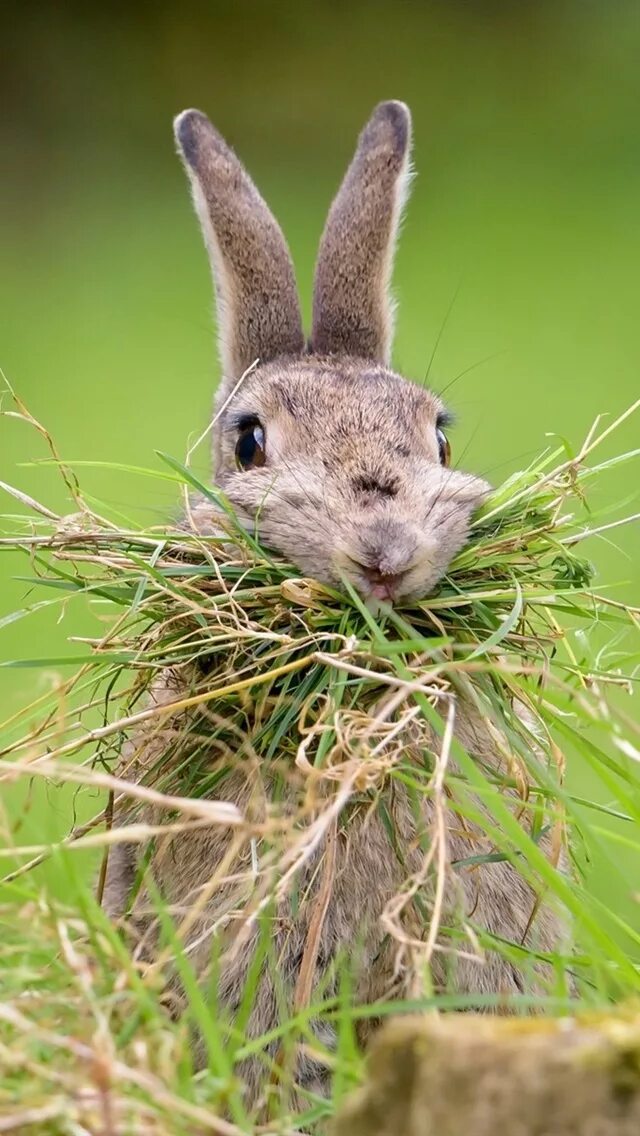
(337,699)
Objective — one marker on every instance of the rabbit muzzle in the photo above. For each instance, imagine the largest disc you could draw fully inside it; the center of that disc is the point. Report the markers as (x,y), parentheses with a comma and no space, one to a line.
(387,560)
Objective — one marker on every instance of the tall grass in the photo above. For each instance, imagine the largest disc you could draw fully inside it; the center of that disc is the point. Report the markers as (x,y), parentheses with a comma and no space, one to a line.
(282,670)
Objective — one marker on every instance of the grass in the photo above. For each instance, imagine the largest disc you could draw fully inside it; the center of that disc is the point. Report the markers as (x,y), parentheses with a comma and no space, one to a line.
(285,673)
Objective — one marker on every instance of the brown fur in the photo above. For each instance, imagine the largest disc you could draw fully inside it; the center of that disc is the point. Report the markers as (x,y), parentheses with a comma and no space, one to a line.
(351,310)
(249,257)
(352,485)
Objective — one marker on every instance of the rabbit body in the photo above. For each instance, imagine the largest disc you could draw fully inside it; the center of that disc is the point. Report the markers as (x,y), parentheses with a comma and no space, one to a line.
(345,463)
(366,875)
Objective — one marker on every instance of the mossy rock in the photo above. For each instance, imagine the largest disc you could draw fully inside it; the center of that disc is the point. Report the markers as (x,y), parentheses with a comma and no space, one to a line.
(468,1075)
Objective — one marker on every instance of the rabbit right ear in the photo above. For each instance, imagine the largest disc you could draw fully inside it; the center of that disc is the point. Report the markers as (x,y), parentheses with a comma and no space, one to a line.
(257,300)
(352,309)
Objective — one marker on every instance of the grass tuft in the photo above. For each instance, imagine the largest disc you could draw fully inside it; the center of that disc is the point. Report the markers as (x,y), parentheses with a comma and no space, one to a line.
(273,670)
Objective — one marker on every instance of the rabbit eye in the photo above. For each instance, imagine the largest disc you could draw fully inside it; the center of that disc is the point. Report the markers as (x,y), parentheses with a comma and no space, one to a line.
(250,451)
(444,449)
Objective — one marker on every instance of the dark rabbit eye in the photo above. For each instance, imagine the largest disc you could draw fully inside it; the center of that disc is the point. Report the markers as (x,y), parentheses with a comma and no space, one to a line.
(444,449)
(250,445)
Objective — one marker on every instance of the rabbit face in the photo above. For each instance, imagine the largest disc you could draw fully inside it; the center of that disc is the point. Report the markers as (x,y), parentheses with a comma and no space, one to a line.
(338,461)
(338,464)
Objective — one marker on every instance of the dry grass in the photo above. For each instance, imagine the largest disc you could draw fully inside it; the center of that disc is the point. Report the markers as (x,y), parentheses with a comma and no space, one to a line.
(276,669)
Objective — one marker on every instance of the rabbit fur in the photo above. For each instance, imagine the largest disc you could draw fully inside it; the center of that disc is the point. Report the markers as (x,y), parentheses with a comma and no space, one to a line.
(352,484)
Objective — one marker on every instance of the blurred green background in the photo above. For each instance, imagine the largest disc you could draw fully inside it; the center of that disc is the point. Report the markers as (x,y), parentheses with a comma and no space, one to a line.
(517,273)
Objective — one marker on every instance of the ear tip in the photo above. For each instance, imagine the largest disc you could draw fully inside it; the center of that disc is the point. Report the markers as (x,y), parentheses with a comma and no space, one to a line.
(394,110)
(189,128)
(392,120)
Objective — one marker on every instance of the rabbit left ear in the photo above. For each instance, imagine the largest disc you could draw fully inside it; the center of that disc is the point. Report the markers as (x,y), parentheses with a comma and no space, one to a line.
(257,300)
(352,309)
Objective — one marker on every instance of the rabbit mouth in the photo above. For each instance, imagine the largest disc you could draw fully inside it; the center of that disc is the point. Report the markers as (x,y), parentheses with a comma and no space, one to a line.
(388,560)
(383,586)
(372,584)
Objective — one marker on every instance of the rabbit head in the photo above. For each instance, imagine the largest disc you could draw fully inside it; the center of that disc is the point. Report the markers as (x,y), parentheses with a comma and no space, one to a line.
(340,463)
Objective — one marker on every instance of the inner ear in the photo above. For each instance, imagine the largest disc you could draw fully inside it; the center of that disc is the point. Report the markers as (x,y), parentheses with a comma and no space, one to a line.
(352,308)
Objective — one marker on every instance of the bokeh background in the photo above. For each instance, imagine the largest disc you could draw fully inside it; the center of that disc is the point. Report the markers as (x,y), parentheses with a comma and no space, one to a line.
(517,274)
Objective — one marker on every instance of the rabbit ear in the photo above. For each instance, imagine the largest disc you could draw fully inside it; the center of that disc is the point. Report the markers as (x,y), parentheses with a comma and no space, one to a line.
(352,309)
(257,300)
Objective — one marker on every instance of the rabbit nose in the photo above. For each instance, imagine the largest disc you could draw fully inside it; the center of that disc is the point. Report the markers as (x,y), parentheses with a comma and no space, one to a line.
(381,557)
(388,548)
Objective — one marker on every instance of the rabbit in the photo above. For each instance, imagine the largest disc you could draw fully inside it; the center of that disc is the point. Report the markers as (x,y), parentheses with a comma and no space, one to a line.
(346,464)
